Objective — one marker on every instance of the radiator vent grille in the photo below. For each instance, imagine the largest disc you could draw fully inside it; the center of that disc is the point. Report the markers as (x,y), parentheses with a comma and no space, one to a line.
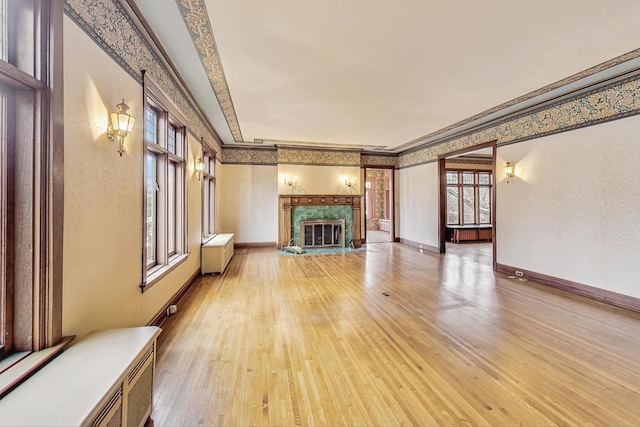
(140,398)
(111,414)
(141,363)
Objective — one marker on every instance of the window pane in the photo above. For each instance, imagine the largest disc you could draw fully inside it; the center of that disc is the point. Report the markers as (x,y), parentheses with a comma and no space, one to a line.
(212,206)
(171,209)
(3,221)
(484,178)
(151,126)
(151,217)
(4,34)
(171,139)
(484,205)
(205,209)
(467,177)
(468,205)
(452,177)
(453,216)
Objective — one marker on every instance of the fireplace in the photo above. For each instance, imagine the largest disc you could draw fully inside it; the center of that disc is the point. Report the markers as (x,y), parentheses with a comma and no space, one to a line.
(293,209)
(318,233)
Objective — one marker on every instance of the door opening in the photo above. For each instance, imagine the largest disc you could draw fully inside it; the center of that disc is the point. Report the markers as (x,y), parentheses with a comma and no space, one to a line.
(467,202)
(379,205)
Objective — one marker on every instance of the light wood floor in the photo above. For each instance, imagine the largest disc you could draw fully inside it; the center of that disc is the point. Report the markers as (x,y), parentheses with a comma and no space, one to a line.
(313,340)
(378,236)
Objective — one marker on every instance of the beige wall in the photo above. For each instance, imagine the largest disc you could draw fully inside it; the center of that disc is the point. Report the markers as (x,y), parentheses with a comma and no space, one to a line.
(103,199)
(418,198)
(572,210)
(249,202)
(320,179)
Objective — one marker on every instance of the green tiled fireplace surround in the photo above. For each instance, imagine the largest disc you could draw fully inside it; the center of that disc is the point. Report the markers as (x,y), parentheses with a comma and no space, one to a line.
(303,213)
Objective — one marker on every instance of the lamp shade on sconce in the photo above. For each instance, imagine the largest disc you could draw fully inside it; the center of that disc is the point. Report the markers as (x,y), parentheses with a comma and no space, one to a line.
(199,167)
(509,170)
(121,125)
(121,121)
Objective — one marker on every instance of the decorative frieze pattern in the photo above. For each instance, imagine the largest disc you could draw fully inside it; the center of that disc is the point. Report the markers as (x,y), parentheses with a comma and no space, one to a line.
(612,102)
(112,28)
(378,160)
(315,157)
(196,18)
(249,156)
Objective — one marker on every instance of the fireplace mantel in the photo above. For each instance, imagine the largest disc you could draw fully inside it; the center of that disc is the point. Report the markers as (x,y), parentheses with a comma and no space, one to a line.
(287,202)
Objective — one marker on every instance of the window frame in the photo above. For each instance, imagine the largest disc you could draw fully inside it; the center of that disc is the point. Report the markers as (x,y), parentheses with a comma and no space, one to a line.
(170,243)
(460,185)
(32,201)
(208,193)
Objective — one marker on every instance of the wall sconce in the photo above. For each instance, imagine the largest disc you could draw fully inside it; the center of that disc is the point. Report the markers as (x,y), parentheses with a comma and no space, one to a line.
(289,182)
(350,184)
(199,166)
(509,170)
(121,125)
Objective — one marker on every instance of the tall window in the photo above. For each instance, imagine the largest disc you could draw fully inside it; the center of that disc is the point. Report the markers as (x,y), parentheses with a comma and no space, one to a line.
(209,195)
(164,183)
(468,197)
(30,175)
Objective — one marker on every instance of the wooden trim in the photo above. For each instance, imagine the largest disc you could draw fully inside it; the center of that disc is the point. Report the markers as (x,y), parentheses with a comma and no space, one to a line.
(442,205)
(494,205)
(56,173)
(423,246)
(602,295)
(249,245)
(175,299)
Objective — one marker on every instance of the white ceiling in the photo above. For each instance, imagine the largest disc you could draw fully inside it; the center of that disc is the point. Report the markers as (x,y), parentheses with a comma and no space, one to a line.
(382,73)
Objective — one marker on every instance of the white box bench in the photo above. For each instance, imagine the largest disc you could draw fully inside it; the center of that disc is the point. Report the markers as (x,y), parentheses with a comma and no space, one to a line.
(105,379)
(216,253)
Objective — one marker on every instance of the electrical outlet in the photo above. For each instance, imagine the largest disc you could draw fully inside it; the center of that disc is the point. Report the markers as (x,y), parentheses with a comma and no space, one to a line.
(172,309)
(519,273)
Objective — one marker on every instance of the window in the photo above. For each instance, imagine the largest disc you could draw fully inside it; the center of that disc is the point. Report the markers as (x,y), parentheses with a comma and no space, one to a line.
(31,182)
(164,184)
(209,195)
(468,197)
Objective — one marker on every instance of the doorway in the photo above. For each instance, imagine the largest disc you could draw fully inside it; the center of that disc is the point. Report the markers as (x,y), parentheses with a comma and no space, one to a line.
(379,205)
(467,202)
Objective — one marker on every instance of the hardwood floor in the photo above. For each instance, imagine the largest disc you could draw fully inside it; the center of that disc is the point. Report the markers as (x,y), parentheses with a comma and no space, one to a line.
(313,340)
(378,236)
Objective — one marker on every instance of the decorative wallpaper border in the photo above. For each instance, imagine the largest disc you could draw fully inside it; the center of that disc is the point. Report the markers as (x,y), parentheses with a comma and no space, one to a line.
(318,157)
(379,160)
(195,16)
(113,29)
(249,156)
(615,101)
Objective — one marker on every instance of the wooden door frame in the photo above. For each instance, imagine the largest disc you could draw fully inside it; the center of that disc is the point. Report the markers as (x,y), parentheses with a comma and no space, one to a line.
(392,230)
(442,200)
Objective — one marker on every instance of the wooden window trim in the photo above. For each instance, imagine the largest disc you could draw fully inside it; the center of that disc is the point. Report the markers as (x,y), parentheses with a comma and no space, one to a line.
(169,115)
(39,167)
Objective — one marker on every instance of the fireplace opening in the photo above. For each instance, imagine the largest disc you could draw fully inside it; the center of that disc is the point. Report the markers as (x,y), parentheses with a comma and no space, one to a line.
(322,233)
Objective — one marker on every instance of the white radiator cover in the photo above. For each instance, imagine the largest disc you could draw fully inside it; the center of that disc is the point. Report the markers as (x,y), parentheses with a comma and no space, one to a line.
(106,379)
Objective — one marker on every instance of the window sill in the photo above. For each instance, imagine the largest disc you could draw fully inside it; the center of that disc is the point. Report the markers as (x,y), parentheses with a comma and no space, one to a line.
(160,272)
(27,363)
(209,237)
